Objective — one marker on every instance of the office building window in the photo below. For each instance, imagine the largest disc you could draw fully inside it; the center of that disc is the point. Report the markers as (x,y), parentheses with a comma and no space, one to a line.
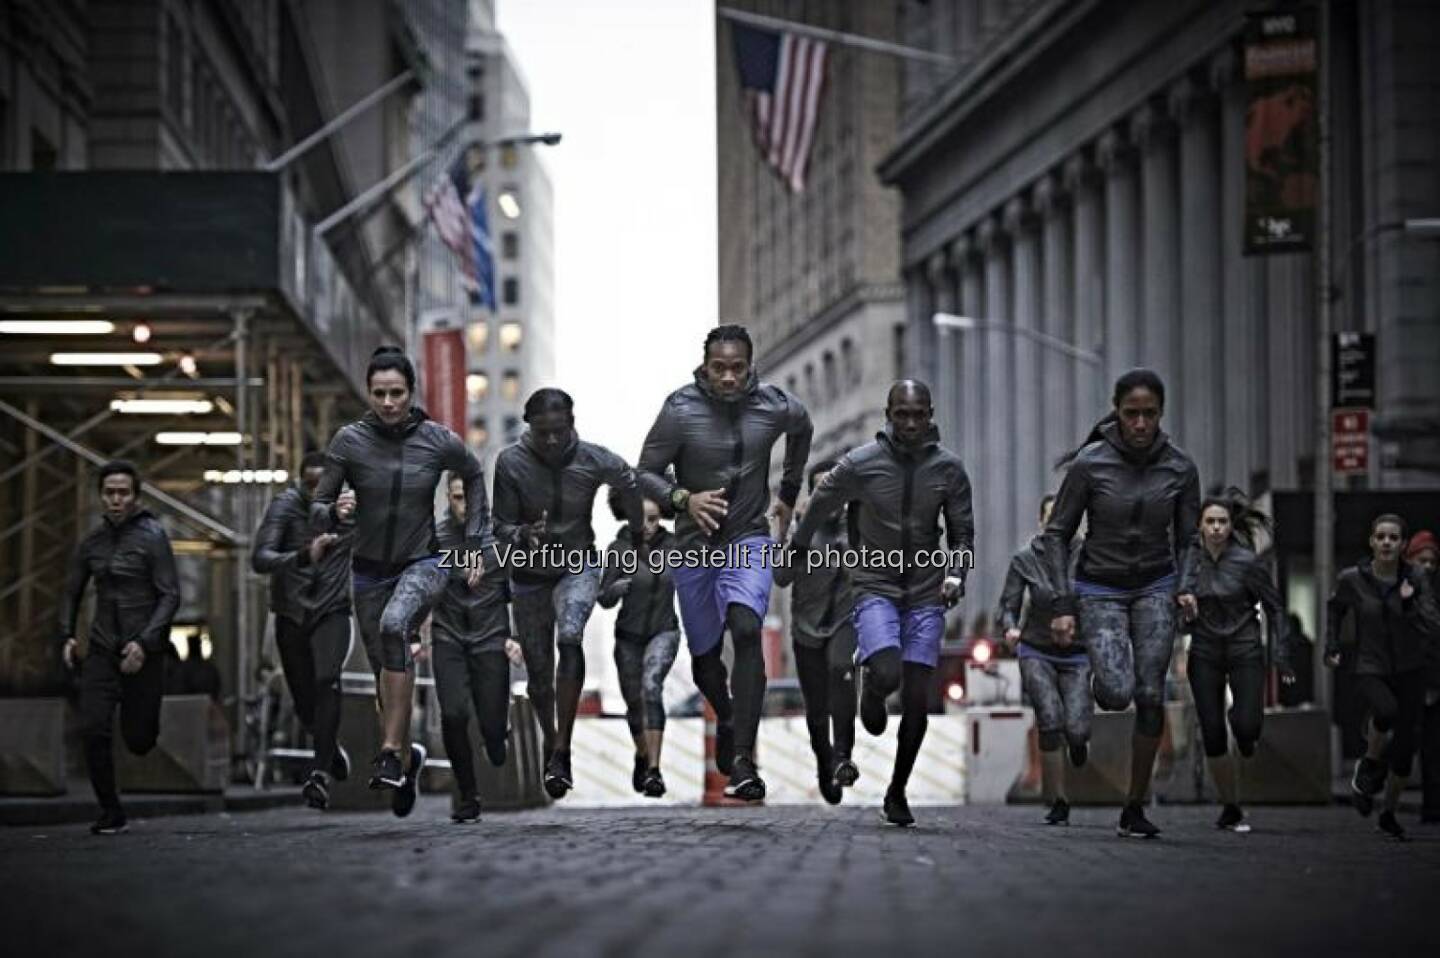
(478,335)
(899,350)
(512,428)
(849,363)
(510,245)
(510,386)
(477,386)
(511,334)
(43,155)
(832,380)
(809,383)
(479,433)
(477,108)
(510,295)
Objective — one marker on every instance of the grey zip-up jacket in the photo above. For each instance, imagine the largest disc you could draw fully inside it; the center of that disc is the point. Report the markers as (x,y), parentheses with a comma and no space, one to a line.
(1226,590)
(136,588)
(822,598)
(1392,634)
(648,608)
(1030,572)
(1143,508)
(394,471)
(298,587)
(470,617)
(563,487)
(902,495)
(719,444)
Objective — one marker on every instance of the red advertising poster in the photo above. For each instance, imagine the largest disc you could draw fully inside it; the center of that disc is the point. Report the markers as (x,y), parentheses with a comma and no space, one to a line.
(445,377)
(1282,141)
(1350,441)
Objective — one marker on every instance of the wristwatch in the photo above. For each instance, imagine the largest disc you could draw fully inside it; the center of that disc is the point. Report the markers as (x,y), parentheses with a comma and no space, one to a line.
(680,499)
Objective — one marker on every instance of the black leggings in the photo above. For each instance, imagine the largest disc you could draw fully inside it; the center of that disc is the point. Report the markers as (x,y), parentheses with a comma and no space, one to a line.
(1246,678)
(827,681)
(466,678)
(313,655)
(102,687)
(747,684)
(886,673)
(1395,703)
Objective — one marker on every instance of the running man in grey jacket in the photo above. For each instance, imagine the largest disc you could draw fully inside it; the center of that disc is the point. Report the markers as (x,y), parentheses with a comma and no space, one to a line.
(545,488)
(393,457)
(905,482)
(717,433)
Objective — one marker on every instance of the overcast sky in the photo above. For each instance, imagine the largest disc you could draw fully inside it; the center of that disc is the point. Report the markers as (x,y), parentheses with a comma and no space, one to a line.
(631,85)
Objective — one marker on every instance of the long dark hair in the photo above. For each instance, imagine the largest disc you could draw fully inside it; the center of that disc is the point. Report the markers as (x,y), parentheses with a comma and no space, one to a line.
(391,357)
(1246,521)
(1134,379)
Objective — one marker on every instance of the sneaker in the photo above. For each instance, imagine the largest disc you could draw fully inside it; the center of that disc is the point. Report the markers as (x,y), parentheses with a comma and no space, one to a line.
(872,711)
(846,773)
(467,811)
(110,822)
(1134,824)
(403,802)
(340,765)
(557,775)
(316,790)
(637,775)
(1080,754)
(1059,813)
(830,789)
(1365,783)
(725,747)
(496,752)
(386,771)
(897,810)
(745,781)
(654,784)
(1388,826)
(1232,819)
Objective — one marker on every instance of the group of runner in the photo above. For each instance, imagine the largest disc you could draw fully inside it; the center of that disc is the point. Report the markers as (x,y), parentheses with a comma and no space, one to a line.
(1093,621)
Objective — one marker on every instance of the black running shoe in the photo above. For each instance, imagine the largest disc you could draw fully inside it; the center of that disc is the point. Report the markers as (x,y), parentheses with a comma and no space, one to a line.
(1080,754)
(897,810)
(386,771)
(745,781)
(1134,824)
(1366,782)
(110,822)
(1059,813)
(467,811)
(872,711)
(846,774)
(1232,819)
(557,775)
(830,789)
(403,801)
(654,784)
(725,747)
(496,752)
(1388,826)
(316,790)
(637,774)
(340,764)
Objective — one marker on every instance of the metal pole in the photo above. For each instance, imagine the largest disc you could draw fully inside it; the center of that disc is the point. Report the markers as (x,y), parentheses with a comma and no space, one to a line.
(242,538)
(834,36)
(1324,532)
(342,118)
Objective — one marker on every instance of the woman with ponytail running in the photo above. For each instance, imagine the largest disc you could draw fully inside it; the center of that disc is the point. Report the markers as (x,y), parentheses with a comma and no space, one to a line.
(1226,649)
(393,457)
(1141,496)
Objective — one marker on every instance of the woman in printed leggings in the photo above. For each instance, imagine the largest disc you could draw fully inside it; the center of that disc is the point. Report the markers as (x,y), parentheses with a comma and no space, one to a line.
(647,636)
(393,457)
(1056,678)
(1141,496)
(1226,649)
(1395,617)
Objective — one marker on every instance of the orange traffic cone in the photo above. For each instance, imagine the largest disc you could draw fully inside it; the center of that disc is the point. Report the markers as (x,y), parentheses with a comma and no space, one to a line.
(715,781)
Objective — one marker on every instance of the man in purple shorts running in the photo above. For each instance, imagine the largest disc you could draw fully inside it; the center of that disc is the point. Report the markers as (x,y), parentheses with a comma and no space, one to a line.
(717,433)
(903,580)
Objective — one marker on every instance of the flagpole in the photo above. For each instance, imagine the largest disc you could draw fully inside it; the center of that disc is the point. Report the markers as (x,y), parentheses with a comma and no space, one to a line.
(834,36)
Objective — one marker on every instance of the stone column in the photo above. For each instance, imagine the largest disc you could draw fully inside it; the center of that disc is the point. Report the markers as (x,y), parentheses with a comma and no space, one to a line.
(1203,377)
(965,254)
(1027,376)
(947,365)
(1088,293)
(1058,425)
(1160,286)
(993,532)
(1116,157)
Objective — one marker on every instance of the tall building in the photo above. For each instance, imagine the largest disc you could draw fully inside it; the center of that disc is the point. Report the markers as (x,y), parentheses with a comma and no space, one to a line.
(1080,174)
(815,276)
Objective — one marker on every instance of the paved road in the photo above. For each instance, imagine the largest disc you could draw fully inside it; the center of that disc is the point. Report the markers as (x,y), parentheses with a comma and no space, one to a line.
(668,881)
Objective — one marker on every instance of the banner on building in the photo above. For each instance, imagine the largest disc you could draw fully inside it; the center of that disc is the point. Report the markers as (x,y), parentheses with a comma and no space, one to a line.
(1282,132)
(445,378)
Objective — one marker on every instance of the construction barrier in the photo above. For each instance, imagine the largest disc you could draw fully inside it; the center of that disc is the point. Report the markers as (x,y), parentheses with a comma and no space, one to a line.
(192,753)
(32,746)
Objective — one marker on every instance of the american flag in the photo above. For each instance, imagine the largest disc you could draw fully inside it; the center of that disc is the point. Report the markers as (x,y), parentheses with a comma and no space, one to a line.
(461,216)
(782,75)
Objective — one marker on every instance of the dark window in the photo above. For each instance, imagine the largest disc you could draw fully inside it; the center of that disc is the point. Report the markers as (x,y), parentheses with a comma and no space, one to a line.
(477,108)
(43,155)
(512,428)
(510,245)
(899,350)
(511,287)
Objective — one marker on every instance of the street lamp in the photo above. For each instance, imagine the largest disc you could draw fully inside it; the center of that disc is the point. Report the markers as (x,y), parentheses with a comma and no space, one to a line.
(944,321)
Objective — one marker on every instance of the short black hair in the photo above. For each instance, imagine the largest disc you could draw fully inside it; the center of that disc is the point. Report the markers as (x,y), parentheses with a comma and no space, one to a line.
(119,467)
(391,357)
(312,460)
(824,465)
(730,333)
(548,399)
